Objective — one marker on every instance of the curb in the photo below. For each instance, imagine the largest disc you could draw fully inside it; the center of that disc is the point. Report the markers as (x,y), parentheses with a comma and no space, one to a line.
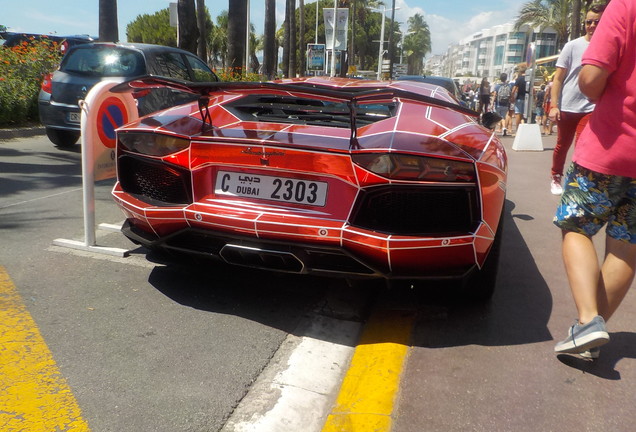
(21,132)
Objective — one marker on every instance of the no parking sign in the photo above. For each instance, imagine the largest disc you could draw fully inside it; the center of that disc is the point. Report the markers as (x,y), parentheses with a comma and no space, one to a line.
(102,113)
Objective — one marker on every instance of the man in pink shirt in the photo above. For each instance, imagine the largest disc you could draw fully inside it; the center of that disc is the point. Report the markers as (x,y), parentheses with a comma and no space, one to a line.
(600,187)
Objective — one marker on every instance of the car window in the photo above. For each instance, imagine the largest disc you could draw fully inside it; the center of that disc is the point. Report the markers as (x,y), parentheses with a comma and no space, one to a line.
(202,72)
(104,62)
(170,64)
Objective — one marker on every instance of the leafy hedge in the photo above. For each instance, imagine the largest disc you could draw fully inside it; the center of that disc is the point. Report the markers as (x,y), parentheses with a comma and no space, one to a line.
(21,71)
(237,75)
(23,67)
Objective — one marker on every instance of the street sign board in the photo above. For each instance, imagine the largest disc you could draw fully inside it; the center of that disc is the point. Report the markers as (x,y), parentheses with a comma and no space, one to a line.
(315,57)
(341,23)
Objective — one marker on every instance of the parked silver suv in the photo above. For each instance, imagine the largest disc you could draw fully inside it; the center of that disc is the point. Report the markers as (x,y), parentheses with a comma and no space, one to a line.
(87,64)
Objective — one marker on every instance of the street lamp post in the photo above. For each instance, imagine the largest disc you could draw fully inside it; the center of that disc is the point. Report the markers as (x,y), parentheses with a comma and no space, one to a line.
(316,40)
(391,41)
(402,44)
(381,51)
(333,39)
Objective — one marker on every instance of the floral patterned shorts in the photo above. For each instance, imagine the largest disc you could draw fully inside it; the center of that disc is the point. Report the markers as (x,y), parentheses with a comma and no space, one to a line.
(591,200)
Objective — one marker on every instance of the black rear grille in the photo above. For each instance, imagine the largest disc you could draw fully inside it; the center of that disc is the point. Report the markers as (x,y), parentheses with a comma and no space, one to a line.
(265,254)
(418,210)
(154,181)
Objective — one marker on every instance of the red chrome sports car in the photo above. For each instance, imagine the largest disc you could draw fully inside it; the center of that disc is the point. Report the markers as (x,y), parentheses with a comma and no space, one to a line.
(316,175)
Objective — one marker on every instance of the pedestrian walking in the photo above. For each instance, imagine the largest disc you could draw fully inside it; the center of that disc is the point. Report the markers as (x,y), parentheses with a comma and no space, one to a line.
(484,96)
(502,100)
(600,187)
(570,108)
(519,95)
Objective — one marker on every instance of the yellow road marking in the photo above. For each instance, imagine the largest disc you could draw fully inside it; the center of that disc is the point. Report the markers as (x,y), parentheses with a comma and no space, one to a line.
(34,396)
(366,398)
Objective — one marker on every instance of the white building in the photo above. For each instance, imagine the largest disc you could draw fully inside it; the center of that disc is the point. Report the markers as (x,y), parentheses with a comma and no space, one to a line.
(499,49)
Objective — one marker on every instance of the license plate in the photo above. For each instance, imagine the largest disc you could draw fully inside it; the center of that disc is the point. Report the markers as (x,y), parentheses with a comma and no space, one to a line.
(271,188)
(74,117)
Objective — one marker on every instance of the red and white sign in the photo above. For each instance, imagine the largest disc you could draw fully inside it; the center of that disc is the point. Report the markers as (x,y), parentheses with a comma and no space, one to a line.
(102,113)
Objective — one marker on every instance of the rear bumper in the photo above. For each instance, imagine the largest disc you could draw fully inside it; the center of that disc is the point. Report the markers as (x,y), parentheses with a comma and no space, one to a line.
(56,116)
(280,256)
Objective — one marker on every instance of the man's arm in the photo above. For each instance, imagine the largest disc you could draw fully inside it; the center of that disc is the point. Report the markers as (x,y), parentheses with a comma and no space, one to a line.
(555,94)
(592,81)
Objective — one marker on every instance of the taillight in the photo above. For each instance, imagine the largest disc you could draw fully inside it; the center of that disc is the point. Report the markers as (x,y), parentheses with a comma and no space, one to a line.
(47,85)
(398,166)
(152,144)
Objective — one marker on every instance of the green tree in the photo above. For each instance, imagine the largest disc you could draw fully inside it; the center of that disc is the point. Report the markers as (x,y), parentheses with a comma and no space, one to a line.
(417,44)
(270,47)
(218,40)
(153,29)
(302,66)
(256,44)
(202,44)
(236,30)
(188,33)
(544,14)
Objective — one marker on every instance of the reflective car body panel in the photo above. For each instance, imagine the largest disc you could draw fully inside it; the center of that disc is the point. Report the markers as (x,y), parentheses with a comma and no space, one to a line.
(316,175)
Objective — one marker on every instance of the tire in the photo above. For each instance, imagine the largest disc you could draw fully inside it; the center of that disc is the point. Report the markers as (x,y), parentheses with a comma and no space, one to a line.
(480,285)
(62,138)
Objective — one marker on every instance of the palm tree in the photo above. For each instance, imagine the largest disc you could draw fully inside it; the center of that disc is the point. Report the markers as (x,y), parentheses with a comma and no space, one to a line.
(301,33)
(270,56)
(108,21)
(218,41)
(236,30)
(286,33)
(544,14)
(417,44)
(188,31)
(292,39)
(256,44)
(201,47)
(576,14)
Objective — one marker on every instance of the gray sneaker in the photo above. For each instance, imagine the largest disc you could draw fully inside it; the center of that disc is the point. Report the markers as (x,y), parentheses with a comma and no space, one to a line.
(583,337)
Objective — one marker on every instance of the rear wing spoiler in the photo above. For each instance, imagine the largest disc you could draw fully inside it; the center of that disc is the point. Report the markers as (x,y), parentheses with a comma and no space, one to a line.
(352,97)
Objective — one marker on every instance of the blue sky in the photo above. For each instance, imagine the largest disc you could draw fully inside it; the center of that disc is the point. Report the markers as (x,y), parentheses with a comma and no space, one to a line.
(449,20)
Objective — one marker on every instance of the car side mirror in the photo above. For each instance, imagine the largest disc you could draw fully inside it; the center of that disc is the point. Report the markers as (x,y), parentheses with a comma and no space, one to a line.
(490,119)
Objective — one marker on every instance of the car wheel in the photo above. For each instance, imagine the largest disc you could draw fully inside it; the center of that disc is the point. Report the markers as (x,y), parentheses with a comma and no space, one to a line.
(62,138)
(480,285)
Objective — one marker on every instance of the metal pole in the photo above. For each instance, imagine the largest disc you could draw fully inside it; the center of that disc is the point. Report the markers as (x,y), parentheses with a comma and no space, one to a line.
(391,42)
(333,40)
(316,39)
(381,45)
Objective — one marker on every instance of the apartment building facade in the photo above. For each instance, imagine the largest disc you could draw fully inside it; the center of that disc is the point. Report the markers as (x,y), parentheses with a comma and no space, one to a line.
(492,51)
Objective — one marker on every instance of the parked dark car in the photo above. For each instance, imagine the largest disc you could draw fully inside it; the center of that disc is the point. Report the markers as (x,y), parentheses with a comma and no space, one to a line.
(445,82)
(87,64)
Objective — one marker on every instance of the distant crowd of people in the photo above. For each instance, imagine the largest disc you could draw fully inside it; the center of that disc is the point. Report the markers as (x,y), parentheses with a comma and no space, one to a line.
(507,99)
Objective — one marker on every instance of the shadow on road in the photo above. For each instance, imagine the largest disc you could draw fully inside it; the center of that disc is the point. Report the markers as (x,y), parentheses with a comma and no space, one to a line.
(517,314)
(622,346)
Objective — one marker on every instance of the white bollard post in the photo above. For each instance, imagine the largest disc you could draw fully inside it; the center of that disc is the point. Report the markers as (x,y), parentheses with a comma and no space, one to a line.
(528,138)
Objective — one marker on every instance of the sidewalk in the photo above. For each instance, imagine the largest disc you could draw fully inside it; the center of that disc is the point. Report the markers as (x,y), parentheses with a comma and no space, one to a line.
(21,132)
